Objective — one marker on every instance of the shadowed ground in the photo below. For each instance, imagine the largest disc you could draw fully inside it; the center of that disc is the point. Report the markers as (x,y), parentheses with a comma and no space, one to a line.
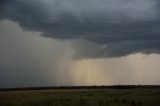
(142,96)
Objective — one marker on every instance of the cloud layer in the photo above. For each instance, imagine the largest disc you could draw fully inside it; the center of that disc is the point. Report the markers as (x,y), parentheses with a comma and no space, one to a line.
(28,59)
(111,28)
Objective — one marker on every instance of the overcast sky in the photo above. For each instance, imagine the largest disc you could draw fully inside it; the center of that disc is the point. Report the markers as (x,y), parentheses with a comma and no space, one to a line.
(79,42)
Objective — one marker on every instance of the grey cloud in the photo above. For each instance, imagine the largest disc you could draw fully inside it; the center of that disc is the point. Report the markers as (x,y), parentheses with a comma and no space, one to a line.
(85,49)
(116,27)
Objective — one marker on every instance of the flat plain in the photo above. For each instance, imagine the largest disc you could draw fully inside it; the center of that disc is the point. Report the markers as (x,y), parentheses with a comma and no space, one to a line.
(142,96)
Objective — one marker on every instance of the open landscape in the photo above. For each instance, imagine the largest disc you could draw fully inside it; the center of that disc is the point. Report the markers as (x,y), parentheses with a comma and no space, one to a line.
(82,96)
(79,52)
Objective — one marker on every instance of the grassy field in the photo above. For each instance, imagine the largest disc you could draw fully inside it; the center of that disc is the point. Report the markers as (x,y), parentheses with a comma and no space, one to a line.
(82,97)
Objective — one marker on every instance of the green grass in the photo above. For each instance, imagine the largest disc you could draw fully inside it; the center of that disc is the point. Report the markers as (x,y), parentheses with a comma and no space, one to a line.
(82,97)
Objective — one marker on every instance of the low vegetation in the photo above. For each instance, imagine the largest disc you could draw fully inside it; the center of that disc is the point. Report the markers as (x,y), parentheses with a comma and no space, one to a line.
(82,97)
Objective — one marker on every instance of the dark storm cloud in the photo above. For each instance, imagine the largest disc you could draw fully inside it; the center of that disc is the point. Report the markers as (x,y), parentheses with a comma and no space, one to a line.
(115,27)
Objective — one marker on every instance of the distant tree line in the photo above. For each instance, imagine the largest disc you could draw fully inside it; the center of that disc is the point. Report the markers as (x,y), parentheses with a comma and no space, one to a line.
(82,87)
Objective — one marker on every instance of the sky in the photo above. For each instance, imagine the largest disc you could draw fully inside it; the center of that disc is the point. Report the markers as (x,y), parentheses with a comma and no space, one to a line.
(79,42)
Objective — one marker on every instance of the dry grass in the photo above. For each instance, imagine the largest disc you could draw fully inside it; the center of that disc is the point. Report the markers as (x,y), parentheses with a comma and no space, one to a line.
(82,97)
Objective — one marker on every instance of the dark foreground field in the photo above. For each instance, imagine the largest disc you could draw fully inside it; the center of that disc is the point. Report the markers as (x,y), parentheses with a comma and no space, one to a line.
(139,96)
